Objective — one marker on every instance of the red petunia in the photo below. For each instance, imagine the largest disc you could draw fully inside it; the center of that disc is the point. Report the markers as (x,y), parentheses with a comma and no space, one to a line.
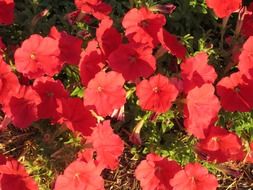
(92,61)
(105,92)
(38,56)
(75,116)
(221,145)
(80,175)
(22,107)
(194,177)
(171,44)
(201,110)
(50,91)
(246,58)
(108,37)
(97,8)
(13,176)
(156,94)
(129,56)
(224,8)
(70,46)
(155,172)
(6,11)
(247,26)
(8,82)
(196,72)
(108,146)
(236,89)
(142,26)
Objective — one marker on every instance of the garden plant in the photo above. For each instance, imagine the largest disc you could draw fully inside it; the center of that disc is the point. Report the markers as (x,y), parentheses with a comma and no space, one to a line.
(126,94)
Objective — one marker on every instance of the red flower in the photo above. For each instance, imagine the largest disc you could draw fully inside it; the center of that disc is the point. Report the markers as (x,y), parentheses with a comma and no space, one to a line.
(247,27)
(221,145)
(75,116)
(194,177)
(13,176)
(8,82)
(237,89)
(80,175)
(22,107)
(6,11)
(108,37)
(70,46)
(196,72)
(105,92)
(129,56)
(142,26)
(201,110)
(107,145)
(224,8)
(97,8)
(38,56)
(156,94)
(91,62)
(155,172)
(171,44)
(50,91)
(246,58)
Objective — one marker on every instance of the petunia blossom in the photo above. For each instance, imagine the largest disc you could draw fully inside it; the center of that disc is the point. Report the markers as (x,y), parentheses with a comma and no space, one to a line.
(75,116)
(155,172)
(201,110)
(97,8)
(92,61)
(129,56)
(70,46)
(142,26)
(50,91)
(246,58)
(22,107)
(171,43)
(38,56)
(13,176)
(194,177)
(107,144)
(224,8)
(156,94)
(236,88)
(196,72)
(108,37)
(8,82)
(105,92)
(221,145)
(80,175)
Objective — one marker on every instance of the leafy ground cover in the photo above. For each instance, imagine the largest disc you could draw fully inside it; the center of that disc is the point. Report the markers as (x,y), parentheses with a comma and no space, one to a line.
(130,94)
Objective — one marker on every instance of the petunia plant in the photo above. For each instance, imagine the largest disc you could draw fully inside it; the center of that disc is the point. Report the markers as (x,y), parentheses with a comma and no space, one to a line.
(131,94)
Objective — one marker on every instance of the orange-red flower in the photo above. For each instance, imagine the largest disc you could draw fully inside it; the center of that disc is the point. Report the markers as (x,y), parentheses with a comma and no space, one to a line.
(221,145)
(156,94)
(133,61)
(201,110)
(142,26)
(194,177)
(155,172)
(105,92)
(38,56)
(13,176)
(223,8)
